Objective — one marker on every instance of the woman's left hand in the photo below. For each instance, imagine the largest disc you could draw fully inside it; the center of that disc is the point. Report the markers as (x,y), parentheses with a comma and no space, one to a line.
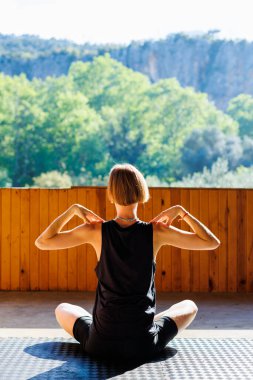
(87,215)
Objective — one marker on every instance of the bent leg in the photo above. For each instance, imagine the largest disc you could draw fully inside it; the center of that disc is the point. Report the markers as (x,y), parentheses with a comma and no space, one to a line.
(66,315)
(183,313)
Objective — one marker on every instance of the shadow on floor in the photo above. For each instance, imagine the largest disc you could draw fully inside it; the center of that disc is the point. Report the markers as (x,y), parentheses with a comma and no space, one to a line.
(78,365)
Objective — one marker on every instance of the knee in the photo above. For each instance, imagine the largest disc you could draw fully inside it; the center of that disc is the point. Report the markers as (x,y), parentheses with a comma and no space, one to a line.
(193,308)
(60,308)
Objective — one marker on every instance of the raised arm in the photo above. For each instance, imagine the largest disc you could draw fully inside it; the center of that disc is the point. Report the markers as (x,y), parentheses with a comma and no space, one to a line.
(53,238)
(201,239)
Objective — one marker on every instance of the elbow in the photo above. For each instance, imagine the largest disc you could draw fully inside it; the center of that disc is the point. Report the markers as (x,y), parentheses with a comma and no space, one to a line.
(215,243)
(39,244)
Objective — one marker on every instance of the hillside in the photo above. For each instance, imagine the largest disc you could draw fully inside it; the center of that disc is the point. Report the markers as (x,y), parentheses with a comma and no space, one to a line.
(221,68)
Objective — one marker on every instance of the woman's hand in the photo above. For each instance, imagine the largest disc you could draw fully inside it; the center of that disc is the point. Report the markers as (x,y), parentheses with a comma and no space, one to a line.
(87,215)
(167,216)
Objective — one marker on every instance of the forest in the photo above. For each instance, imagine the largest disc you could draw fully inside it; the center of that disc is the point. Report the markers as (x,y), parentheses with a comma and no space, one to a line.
(69,130)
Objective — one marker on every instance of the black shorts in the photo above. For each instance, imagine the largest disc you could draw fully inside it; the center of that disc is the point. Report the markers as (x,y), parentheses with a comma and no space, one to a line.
(94,344)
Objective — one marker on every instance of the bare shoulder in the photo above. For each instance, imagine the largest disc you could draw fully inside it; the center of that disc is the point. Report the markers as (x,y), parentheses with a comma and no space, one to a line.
(170,235)
(90,230)
(86,230)
(95,228)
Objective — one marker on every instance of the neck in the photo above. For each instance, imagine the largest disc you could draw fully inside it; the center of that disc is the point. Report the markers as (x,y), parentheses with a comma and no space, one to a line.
(127,212)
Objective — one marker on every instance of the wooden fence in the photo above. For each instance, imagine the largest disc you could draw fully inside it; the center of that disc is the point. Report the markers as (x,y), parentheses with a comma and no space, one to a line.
(26,212)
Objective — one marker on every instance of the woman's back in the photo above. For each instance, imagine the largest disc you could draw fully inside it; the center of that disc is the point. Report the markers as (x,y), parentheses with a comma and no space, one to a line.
(125,302)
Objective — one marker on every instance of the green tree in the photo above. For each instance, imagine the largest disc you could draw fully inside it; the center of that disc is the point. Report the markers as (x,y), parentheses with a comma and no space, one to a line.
(123,134)
(20,127)
(72,130)
(241,110)
(106,82)
(204,147)
(171,115)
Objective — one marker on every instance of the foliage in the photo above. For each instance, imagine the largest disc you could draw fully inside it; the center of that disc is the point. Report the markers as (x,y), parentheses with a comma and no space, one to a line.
(203,147)
(5,180)
(172,113)
(30,47)
(219,176)
(103,113)
(53,179)
(247,157)
(106,82)
(241,110)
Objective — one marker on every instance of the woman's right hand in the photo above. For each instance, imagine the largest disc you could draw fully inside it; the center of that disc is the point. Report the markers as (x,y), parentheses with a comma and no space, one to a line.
(87,215)
(166,217)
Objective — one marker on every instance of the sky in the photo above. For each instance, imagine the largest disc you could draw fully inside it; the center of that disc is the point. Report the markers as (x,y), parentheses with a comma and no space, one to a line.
(123,21)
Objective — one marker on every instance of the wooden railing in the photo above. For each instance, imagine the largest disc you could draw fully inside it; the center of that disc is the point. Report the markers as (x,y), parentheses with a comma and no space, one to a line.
(26,212)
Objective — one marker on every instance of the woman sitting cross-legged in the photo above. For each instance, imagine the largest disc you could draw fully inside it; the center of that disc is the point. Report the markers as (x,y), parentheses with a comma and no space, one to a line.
(123,322)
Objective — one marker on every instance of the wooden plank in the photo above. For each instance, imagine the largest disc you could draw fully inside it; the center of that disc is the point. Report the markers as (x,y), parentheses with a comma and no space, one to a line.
(222,235)
(63,253)
(175,252)
(204,255)
(6,240)
(100,202)
(53,213)
(232,240)
(185,253)
(249,247)
(43,254)
(15,238)
(91,204)
(148,209)
(72,252)
(156,202)
(241,241)
(195,254)
(25,239)
(82,249)
(140,211)
(165,251)
(214,254)
(34,233)
(110,209)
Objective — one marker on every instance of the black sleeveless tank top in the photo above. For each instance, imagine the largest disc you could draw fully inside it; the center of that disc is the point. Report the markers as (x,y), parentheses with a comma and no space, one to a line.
(125,302)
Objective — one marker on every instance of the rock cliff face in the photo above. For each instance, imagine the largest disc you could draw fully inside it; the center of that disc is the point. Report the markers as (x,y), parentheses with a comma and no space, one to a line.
(221,68)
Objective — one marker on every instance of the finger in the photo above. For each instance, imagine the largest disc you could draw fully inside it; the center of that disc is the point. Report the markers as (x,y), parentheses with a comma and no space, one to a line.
(86,219)
(163,219)
(158,222)
(97,220)
(96,217)
(156,219)
(100,219)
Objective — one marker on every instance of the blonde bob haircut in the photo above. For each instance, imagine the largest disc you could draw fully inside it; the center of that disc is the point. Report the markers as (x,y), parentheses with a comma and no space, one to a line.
(126,185)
